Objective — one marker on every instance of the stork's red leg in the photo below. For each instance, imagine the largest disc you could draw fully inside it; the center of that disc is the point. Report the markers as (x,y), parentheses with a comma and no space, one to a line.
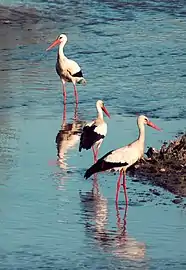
(64,92)
(64,114)
(97,150)
(76,112)
(118,186)
(125,188)
(75,93)
(94,153)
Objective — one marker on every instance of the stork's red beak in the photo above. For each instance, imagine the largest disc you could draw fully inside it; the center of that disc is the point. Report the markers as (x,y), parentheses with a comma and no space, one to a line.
(105,111)
(150,124)
(55,43)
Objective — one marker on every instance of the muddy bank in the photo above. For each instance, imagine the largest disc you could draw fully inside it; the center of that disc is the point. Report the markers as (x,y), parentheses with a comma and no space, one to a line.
(18,16)
(21,25)
(165,167)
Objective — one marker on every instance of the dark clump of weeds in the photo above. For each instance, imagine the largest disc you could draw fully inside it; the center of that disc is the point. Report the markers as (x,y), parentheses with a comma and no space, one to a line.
(165,167)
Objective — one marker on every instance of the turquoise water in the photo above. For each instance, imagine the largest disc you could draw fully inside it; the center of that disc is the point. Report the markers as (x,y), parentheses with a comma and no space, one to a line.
(133,57)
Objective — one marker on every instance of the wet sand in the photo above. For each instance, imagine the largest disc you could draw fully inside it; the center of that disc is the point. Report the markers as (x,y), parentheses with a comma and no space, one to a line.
(18,16)
(21,25)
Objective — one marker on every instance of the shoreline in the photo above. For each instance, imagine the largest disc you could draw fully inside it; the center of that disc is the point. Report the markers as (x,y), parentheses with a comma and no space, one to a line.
(18,15)
(21,25)
(165,168)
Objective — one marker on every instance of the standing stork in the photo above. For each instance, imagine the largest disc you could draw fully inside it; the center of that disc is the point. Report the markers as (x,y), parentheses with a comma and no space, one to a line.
(95,131)
(67,69)
(122,158)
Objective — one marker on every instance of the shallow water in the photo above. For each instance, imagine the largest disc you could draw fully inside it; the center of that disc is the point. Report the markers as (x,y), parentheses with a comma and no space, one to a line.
(133,57)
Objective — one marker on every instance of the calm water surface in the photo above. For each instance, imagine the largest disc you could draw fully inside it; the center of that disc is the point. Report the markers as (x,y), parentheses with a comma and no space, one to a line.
(133,55)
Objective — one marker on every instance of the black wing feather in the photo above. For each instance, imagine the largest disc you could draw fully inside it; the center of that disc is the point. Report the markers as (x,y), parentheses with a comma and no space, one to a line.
(102,165)
(89,137)
(78,74)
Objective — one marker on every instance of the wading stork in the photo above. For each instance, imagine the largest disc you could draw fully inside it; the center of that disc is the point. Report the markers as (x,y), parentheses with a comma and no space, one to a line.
(122,158)
(95,131)
(67,69)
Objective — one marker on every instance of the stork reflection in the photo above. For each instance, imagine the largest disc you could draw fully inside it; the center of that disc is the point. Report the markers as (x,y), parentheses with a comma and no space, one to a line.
(68,136)
(116,242)
(125,246)
(95,212)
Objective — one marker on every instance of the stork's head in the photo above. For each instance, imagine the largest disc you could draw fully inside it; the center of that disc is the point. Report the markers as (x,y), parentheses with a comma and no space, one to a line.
(100,104)
(61,39)
(142,119)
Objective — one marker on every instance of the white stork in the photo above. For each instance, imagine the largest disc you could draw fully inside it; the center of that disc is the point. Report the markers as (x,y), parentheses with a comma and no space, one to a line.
(95,131)
(67,69)
(122,158)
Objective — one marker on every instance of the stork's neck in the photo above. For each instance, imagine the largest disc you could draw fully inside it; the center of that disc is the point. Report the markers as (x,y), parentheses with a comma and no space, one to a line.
(100,112)
(141,137)
(60,50)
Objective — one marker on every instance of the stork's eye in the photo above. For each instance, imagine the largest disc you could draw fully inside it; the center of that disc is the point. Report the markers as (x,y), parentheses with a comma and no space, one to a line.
(146,119)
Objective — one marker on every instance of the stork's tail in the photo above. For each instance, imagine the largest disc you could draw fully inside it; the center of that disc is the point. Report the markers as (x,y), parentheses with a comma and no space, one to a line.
(82,81)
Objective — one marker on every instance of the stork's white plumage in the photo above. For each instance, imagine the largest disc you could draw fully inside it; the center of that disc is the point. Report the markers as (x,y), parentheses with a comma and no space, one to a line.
(122,158)
(95,131)
(67,69)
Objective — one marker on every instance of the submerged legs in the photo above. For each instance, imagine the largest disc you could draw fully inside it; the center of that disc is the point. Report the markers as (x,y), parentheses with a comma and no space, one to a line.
(121,227)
